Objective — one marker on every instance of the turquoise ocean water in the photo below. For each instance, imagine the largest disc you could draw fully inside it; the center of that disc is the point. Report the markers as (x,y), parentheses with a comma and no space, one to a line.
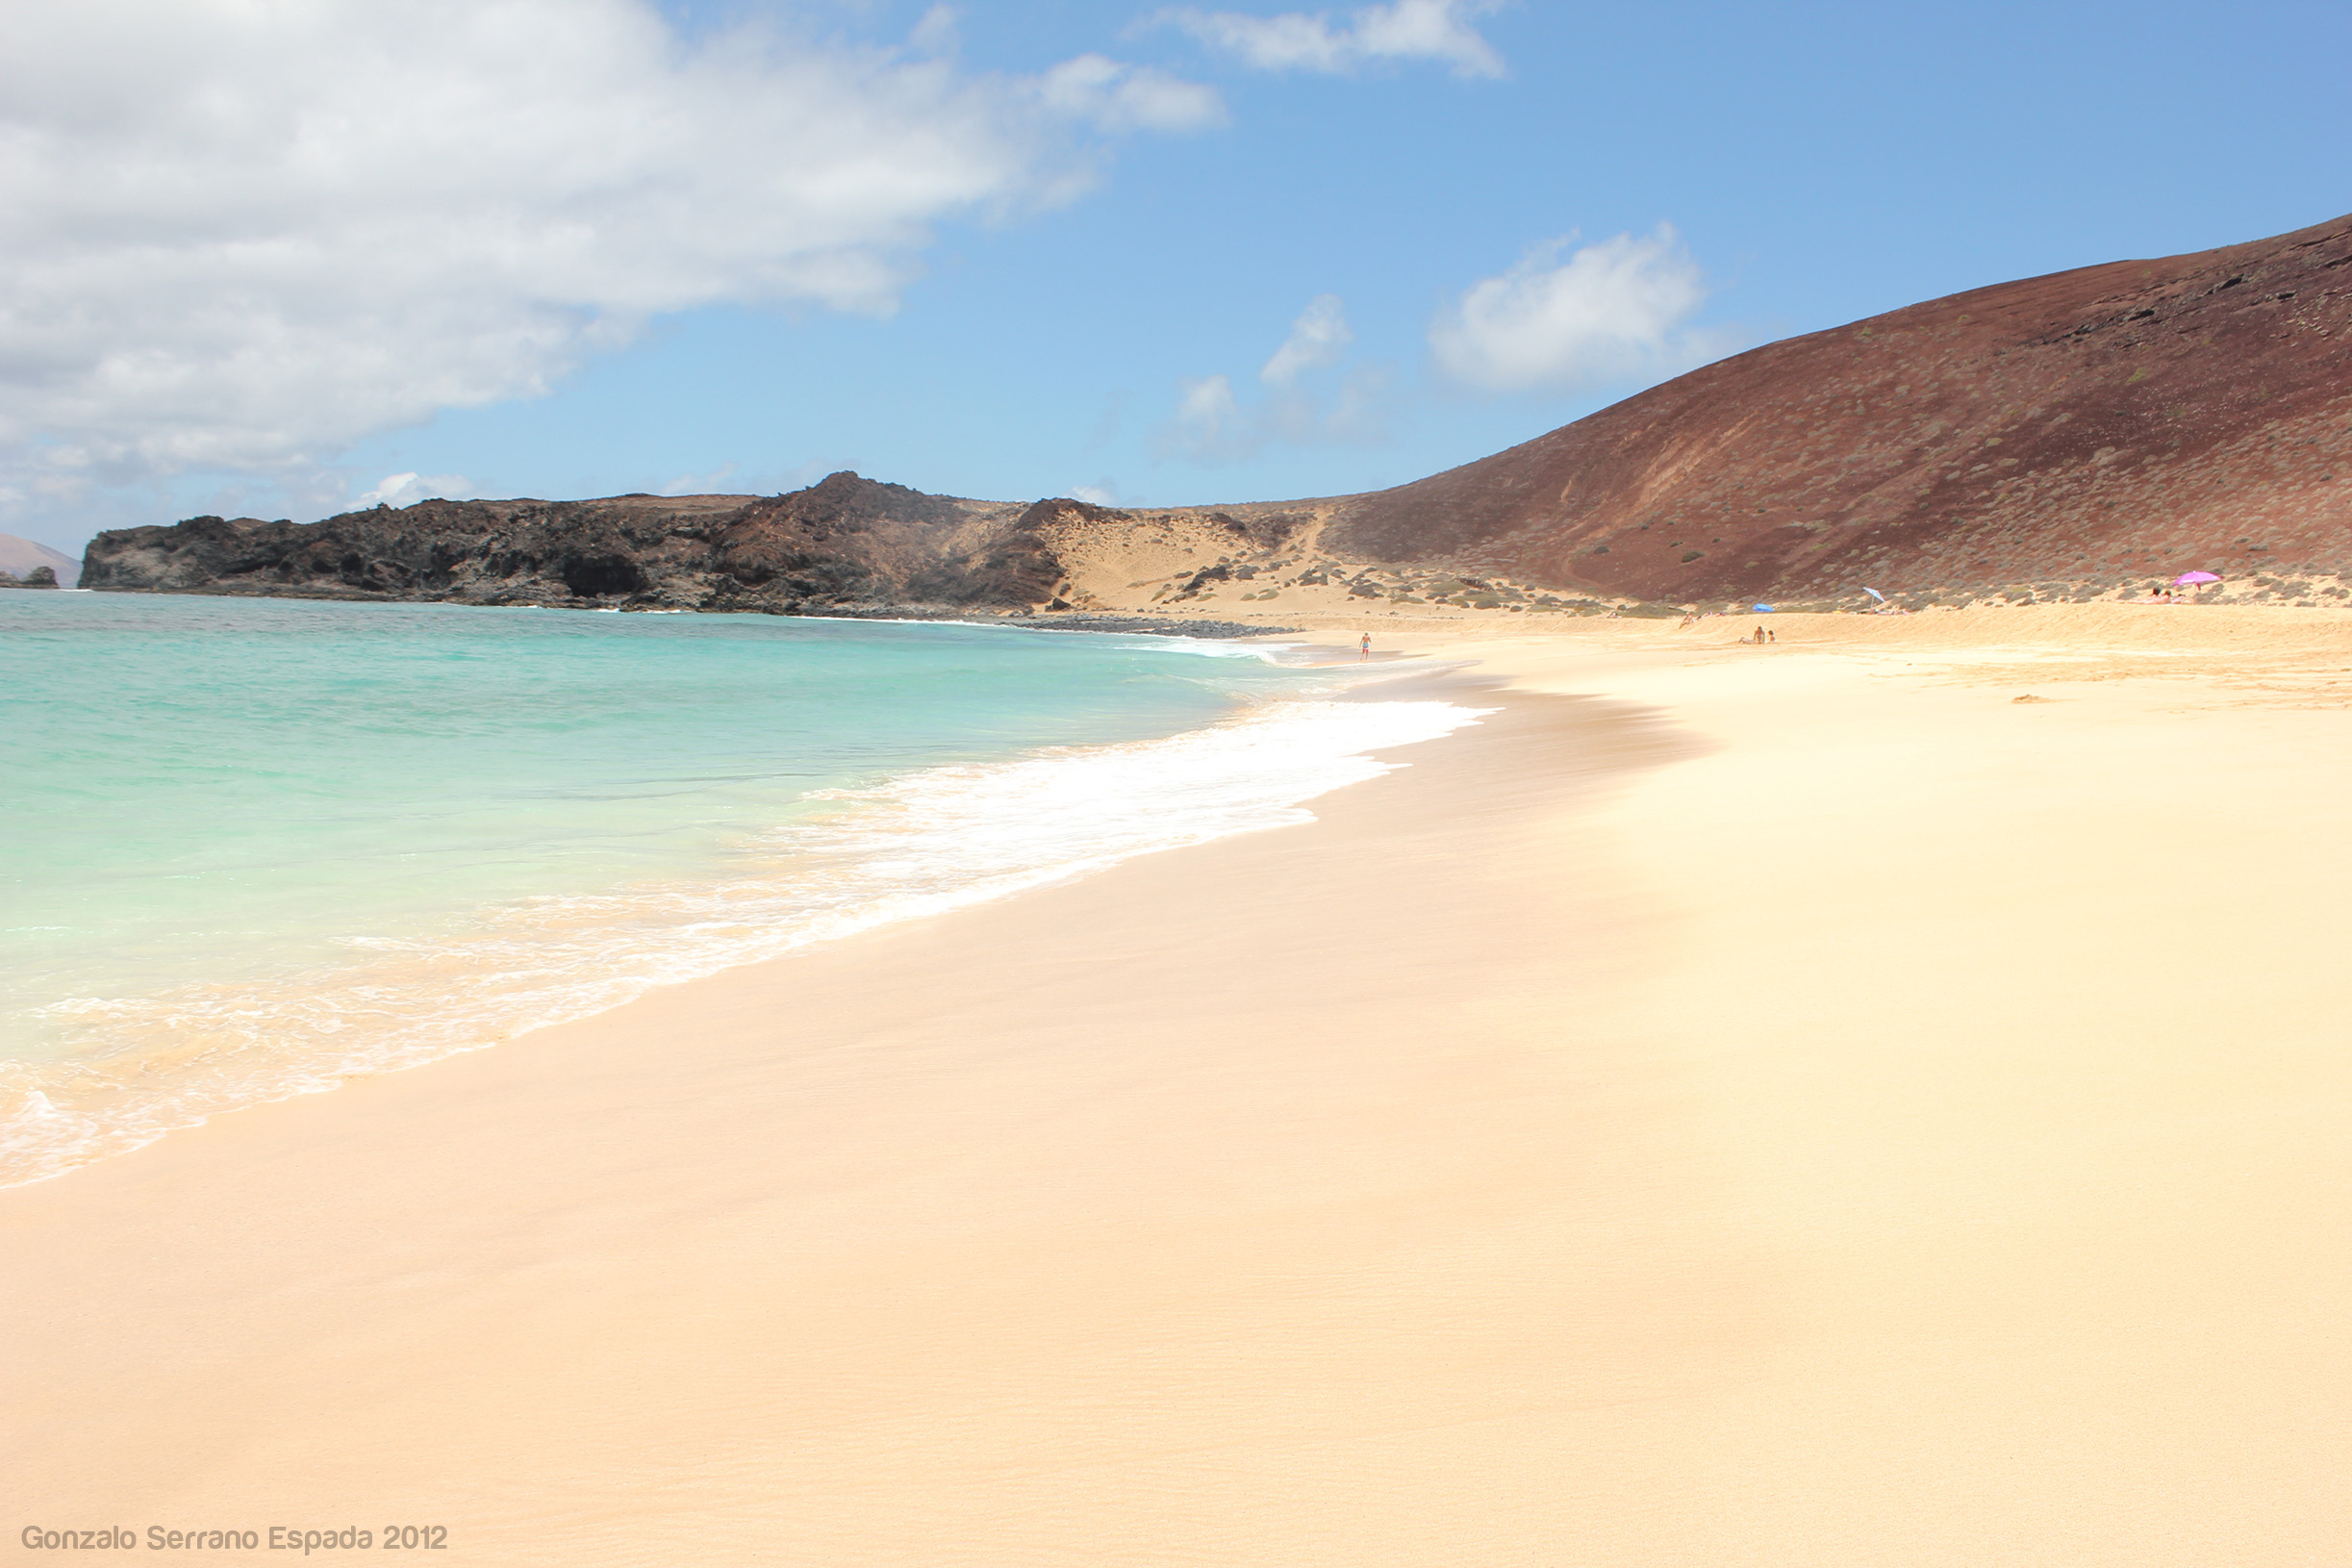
(257,846)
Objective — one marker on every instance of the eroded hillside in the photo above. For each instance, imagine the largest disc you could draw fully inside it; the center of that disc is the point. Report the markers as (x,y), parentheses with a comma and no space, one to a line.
(2084,428)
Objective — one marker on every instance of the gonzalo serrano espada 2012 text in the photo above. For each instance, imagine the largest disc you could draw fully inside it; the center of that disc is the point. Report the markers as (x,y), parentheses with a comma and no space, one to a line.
(276,1538)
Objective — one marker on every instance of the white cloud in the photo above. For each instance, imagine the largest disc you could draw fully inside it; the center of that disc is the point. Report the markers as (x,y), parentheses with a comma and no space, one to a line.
(1358,416)
(1208,426)
(1105,493)
(1317,339)
(406,488)
(1611,311)
(1117,97)
(238,238)
(1212,425)
(1403,30)
(936,34)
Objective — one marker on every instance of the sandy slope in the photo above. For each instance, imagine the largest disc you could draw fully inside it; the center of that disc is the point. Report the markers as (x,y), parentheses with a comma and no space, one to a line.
(1810,1109)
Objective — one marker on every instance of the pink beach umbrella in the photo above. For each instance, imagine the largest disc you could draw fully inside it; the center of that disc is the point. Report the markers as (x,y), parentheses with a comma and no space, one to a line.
(2194,577)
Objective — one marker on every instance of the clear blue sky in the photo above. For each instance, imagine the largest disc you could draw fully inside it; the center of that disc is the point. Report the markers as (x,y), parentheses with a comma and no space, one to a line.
(561,249)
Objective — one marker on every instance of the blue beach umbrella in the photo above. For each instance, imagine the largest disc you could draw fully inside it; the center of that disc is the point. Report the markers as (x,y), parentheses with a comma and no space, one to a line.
(1876,594)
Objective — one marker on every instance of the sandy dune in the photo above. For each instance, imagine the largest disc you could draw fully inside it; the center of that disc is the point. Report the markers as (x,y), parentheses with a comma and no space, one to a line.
(1794,1105)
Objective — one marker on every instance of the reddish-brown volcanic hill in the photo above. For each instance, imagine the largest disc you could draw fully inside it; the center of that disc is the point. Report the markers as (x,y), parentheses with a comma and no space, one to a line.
(2093,425)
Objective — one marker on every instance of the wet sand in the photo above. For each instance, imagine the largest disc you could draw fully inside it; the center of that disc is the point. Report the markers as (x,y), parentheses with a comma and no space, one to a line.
(1802,1108)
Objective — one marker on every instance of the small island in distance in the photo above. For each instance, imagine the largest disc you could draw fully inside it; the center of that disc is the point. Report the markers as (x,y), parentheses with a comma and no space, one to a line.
(25,563)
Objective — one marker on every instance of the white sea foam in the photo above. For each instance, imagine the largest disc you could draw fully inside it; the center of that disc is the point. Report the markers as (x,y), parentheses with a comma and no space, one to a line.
(926,844)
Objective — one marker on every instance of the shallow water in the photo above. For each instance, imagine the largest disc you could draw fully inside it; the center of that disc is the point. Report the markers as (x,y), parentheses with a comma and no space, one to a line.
(261,846)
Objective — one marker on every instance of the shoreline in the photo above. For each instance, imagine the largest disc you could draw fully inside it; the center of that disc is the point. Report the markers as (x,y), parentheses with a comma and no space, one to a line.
(791,887)
(1111,621)
(1785,1110)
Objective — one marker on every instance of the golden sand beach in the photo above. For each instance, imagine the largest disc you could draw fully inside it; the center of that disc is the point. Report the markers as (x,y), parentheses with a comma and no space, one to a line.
(1796,1106)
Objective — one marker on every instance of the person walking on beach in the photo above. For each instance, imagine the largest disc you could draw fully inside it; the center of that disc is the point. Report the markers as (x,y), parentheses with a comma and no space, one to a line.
(1365,650)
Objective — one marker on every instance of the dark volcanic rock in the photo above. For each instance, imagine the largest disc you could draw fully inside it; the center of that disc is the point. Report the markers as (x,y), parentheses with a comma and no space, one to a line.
(37,577)
(842,543)
(2123,421)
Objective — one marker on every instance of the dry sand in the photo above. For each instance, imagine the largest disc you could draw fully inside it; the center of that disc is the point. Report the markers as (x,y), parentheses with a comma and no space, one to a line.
(1794,1106)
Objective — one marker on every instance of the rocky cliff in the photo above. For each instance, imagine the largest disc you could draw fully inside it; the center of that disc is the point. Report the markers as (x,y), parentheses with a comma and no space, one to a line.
(844,542)
(843,545)
(2087,428)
